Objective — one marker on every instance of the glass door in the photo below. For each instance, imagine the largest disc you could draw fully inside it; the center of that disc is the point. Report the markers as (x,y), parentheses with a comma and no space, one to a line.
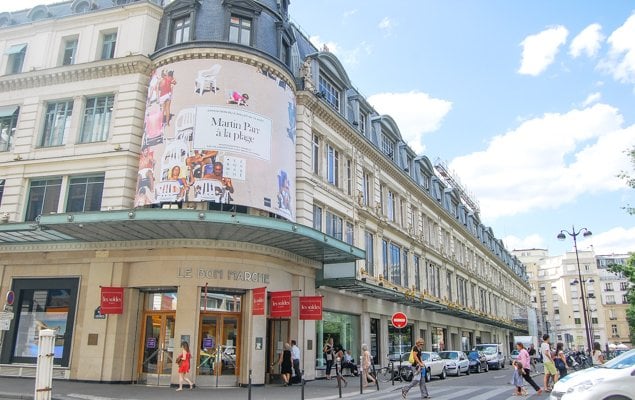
(158,348)
(219,353)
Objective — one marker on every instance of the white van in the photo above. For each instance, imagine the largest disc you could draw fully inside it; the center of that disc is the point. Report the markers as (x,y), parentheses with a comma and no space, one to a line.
(494,354)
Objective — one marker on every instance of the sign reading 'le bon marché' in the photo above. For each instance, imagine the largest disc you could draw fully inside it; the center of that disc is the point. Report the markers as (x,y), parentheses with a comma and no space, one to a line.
(222,274)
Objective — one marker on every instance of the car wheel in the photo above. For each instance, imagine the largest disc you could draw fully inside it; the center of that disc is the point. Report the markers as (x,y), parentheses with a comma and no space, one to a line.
(467,371)
(499,366)
(428,376)
(486,367)
(478,369)
(617,398)
(444,374)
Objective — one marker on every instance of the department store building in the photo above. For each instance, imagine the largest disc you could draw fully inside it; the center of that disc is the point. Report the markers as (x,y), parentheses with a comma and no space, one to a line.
(187,155)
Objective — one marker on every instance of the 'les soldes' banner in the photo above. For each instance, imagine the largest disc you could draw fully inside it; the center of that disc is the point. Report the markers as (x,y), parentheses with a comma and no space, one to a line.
(258,306)
(311,307)
(280,304)
(111,300)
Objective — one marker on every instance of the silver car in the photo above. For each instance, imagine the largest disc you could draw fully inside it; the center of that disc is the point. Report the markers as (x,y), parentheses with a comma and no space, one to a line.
(455,362)
(435,365)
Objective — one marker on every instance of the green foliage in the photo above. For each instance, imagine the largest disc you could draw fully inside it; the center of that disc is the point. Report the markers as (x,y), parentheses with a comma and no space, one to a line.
(630,180)
(628,270)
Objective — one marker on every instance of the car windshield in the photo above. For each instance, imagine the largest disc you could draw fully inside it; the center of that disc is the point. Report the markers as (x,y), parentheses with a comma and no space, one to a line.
(488,350)
(449,355)
(625,360)
(425,356)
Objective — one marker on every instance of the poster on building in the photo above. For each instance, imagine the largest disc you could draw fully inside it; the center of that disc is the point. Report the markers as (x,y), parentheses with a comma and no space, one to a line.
(280,304)
(258,307)
(311,308)
(218,131)
(111,300)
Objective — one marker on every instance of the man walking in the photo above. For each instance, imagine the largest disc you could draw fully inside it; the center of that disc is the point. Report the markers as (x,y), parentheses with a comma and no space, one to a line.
(548,363)
(295,356)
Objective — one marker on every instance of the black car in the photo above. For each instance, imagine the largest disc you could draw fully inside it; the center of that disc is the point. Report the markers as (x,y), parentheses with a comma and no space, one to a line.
(478,361)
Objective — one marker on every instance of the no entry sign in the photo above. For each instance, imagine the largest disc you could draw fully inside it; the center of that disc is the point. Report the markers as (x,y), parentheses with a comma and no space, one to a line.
(399,320)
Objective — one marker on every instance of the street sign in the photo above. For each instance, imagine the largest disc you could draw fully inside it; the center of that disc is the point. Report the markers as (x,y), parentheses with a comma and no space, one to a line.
(399,320)
(4,324)
(10,297)
(6,316)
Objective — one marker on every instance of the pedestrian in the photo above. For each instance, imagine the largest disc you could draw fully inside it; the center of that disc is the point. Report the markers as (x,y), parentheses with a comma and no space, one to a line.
(367,359)
(547,361)
(295,357)
(532,357)
(328,350)
(418,371)
(525,362)
(284,360)
(517,379)
(183,360)
(560,361)
(339,359)
(598,357)
(349,363)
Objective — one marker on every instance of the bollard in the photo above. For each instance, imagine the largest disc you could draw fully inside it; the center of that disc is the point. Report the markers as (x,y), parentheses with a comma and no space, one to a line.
(249,386)
(338,365)
(302,382)
(392,373)
(44,368)
(362,375)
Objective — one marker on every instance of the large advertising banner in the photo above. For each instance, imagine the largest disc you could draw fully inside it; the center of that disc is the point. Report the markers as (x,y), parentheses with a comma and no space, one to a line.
(218,131)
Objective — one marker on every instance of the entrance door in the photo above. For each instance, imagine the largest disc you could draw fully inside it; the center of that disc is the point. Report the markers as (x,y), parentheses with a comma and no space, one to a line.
(219,354)
(158,348)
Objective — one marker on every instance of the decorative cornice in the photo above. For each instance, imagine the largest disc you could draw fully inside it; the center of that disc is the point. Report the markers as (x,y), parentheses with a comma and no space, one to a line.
(134,64)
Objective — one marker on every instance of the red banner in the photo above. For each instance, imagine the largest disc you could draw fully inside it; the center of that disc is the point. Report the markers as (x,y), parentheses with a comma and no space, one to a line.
(280,304)
(311,307)
(112,300)
(258,306)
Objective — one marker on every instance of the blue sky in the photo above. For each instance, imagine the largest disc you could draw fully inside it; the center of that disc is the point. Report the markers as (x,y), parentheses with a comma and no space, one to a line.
(531,103)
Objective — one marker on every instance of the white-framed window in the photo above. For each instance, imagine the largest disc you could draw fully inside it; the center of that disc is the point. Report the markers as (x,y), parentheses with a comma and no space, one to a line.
(96,121)
(57,123)
(180,29)
(240,30)
(16,55)
(8,123)
(614,331)
(330,92)
(332,165)
(317,217)
(406,271)
(387,146)
(362,122)
(416,265)
(366,183)
(390,205)
(315,154)
(108,44)
(349,177)
(69,50)
(395,264)
(369,240)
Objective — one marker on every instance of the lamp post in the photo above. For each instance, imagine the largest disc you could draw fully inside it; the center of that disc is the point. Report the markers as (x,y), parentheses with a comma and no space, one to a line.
(586,233)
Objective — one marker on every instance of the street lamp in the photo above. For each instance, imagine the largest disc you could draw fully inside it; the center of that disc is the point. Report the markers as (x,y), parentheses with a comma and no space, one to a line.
(586,233)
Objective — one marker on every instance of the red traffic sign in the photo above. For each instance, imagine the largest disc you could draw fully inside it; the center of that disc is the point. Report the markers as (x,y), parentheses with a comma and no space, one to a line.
(399,320)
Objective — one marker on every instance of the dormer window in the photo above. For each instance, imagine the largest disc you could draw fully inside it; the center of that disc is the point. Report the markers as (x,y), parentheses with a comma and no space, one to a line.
(240,30)
(329,92)
(180,31)
(387,146)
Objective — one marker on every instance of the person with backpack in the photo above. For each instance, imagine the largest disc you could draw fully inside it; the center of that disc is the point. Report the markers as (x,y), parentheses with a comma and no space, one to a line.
(418,371)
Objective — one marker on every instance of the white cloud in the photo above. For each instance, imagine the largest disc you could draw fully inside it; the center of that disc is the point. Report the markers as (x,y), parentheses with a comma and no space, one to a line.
(386,25)
(348,57)
(549,161)
(416,113)
(592,98)
(534,241)
(618,240)
(319,44)
(540,50)
(349,13)
(620,62)
(588,41)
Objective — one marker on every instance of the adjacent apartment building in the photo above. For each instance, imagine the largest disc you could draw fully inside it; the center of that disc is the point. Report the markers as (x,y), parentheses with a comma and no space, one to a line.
(172,160)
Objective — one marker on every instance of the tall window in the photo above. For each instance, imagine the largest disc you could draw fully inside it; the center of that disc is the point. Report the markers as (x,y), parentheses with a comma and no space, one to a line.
(349,177)
(109,41)
(330,93)
(390,206)
(332,165)
(387,146)
(614,331)
(8,122)
(384,258)
(240,30)
(417,273)
(349,233)
(97,119)
(370,254)
(395,264)
(58,120)
(406,272)
(315,153)
(84,193)
(317,217)
(362,122)
(16,55)
(44,196)
(333,225)
(180,30)
(69,52)
(365,189)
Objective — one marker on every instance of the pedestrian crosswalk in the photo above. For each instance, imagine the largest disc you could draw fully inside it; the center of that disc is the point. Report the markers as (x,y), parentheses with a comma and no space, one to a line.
(490,392)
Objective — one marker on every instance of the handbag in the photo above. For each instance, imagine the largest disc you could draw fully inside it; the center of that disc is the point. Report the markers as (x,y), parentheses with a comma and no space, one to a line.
(179,359)
(559,363)
(411,358)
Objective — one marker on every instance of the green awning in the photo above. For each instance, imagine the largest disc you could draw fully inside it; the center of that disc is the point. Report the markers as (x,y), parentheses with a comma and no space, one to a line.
(15,49)
(7,111)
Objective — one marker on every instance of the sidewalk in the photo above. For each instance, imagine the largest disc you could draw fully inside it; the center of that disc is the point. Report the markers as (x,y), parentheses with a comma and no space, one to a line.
(23,388)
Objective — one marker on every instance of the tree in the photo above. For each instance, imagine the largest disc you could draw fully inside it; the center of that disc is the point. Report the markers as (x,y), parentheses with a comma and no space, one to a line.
(628,271)
(630,180)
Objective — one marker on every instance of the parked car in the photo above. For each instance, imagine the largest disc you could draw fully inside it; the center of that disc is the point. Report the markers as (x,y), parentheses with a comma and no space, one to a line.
(613,380)
(494,354)
(513,356)
(435,365)
(478,361)
(455,362)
